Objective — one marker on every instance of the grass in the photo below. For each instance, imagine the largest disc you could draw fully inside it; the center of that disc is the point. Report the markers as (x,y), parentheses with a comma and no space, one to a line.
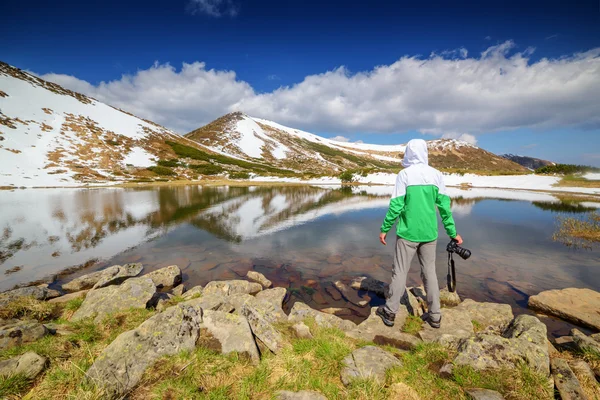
(30,308)
(239,175)
(13,386)
(206,169)
(412,325)
(163,171)
(578,181)
(578,232)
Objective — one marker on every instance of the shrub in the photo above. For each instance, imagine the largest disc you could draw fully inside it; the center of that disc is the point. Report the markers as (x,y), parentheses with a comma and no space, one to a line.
(565,169)
(347,177)
(168,163)
(164,171)
(239,175)
(206,169)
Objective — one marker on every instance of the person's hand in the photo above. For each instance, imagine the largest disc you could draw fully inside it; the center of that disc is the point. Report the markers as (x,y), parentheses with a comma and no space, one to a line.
(382,237)
(459,239)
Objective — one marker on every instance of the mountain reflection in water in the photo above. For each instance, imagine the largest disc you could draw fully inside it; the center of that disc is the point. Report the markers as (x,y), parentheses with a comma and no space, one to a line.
(300,237)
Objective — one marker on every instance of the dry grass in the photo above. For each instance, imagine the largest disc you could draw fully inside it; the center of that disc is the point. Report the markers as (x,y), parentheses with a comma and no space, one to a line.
(30,308)
(578,181)
(578,233)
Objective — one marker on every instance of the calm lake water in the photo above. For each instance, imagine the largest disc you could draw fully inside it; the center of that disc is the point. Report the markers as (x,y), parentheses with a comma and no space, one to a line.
(299,237)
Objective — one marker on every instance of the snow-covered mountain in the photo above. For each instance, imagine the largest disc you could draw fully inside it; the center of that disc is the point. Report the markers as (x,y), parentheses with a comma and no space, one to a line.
(255,139)
(528,162)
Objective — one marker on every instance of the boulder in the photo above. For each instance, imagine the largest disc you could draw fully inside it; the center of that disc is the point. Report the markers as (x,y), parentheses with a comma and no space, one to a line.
(260,278)
(524,340)
(228,288)
(88,281)
(448,298)
(487,317)
(401,391)
(301,311)
(214,302)
(368,362)
(166,277)
(446,371)
(69,296)
(351,295)
(268,309)
(581,306)
(262,329)
(228,333)
(374,330)
(179,290)
(318,298)
(484,394)
(370,285)
(456,325)
(275,296)
(29,364)
(585,343)
(194,292)
(302,331)
(14,332)
(38,293)
(121,365)
(566,382)
(160,301)
(413,305)
(123,273)
(133,293)
(301,395)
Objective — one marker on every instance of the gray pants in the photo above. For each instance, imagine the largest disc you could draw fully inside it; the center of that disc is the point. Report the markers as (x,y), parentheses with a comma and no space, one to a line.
(405,252)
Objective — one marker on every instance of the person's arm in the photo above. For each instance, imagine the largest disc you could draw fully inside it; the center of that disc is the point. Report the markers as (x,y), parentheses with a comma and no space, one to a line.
(443,203)
(395,208)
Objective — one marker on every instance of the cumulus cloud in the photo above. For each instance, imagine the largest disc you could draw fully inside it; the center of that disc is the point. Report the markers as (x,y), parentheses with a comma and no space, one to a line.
(457,95)
(213,8)
(340,139)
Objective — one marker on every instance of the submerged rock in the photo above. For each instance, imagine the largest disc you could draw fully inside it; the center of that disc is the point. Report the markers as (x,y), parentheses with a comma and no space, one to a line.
(121,365)
(487,317)
(333,292)
(301,311)
(260,278)
(29,364)
(368,362)
(581,306)
(166,277)
(351,295)
(14,332)
(231,287)
(374,330)
(133,293)
(566,382)
(370,285)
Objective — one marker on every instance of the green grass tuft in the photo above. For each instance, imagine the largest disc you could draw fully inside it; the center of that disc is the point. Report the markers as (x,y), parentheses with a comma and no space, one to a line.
(412,325)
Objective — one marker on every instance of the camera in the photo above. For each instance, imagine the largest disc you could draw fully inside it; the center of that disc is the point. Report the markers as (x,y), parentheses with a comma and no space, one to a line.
(453,247)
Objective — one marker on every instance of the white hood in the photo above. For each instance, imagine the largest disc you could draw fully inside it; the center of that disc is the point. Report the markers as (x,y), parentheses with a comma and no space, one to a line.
(416,153)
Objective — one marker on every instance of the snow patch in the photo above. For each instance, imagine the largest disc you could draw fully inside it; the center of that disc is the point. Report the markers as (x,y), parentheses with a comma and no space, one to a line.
(139,157)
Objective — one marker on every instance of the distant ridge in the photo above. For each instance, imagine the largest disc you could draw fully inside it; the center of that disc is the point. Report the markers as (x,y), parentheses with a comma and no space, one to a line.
(528,162)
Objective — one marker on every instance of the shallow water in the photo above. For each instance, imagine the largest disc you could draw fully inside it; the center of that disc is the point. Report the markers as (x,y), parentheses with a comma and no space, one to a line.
(299,237)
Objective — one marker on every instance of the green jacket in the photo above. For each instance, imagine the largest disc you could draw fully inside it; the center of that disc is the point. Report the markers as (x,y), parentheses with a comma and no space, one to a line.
(419,189)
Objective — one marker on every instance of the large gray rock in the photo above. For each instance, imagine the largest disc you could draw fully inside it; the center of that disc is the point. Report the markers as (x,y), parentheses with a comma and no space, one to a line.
(108,276)
(263,330)
(370,285)
(351,295)
(484,394)
(194,292)
(133,293)
(566,382)
(488,317)
(14,332)
(456,325)
(38,293)
(524,341)
(179,290)
(166,277)
(121,365)
(581,306)
(259,278)
(374,330)
(275,296)
(585,343)
(69,296)
(214,302)
(124,272)
(301,311)
(368,362)
(228,288)
(302,331)
(268,309)
(228,333)
(301,395)
(29,364)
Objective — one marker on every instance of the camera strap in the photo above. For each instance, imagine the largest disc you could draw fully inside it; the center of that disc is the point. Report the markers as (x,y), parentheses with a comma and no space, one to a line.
(451,274)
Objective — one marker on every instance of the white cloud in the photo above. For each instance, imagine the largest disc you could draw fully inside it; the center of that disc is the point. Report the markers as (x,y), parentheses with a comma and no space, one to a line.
(213,8)
(340,139)
(500,89)
(465,137)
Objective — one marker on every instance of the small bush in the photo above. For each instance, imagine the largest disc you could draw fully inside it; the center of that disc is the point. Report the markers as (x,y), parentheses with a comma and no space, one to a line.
(347,177)
(206,169)
(239,175)
(112,142)
(566,169)
(163,171)
(168,163)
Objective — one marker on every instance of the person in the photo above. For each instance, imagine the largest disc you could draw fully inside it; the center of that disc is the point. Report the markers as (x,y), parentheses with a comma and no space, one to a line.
(419,189)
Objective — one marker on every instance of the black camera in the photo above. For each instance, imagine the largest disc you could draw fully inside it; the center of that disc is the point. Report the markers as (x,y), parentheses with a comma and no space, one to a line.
(453,247)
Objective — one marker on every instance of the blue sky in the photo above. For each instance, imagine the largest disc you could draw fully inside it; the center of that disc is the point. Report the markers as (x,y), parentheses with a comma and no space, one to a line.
(281,60)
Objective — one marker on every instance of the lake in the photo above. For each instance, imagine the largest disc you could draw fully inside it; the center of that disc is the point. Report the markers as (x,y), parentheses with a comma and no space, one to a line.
(300,237)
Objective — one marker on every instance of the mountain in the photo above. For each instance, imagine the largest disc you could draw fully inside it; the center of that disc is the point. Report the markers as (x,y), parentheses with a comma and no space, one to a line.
(528,162)
(259,140)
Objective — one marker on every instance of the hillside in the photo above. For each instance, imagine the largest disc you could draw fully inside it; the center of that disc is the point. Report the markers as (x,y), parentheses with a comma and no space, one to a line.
(239,135)
(528,162)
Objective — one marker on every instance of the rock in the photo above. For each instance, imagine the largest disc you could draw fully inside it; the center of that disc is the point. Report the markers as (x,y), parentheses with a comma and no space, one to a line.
(302,331)
(582,369)
(301,395)
(123,273)
(166,277)
(456,325)
(89,280)
(228,288)
(179,290)
(552,352)
(194,292)
(448,298)
(524,340)
(214,302)
(133,293)
(161,301)
(121,365)
(413,305)
(581,306)
(447,371)
(351,295)
(318,298)
(263,330)
(227,333)
(260,278)
(401,391)
(488,317)
(367,362)
(269,310)
(50,293)
(566,382)
(374,330)
(333,292)
(370,285)
(35,292)
(484,394)
(275,296)
(301,311)
(14,332)
(58,329)
(337,311)
(584,343)
(565,343)
(596,337)
(29,364)
(68,297)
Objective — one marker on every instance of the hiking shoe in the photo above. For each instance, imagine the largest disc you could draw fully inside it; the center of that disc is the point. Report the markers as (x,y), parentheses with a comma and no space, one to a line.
(387,317)
(434,324)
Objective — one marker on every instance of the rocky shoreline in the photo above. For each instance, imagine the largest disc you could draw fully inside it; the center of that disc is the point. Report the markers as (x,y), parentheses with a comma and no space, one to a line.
(247,318)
